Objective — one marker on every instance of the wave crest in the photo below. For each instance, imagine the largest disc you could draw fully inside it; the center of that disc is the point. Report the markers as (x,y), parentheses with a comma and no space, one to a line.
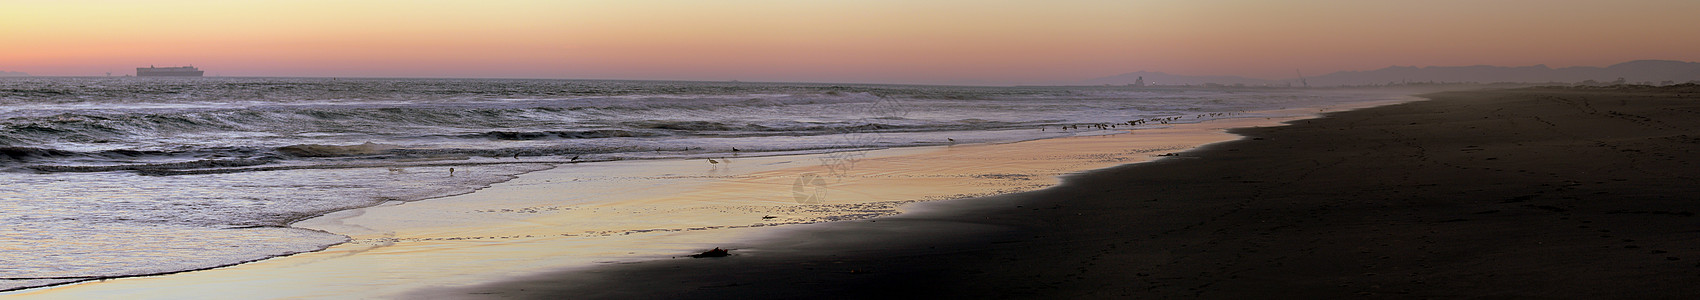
(316,150)
(539,135)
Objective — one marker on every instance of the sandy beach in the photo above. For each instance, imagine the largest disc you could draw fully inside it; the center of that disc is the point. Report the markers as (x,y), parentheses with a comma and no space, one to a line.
(1528,193)
(583,216)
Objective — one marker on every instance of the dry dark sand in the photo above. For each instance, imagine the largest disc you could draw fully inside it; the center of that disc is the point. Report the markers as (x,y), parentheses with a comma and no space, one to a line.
(1533,193)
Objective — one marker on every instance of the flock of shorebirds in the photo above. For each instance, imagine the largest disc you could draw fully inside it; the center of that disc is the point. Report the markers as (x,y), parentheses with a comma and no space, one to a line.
(1140,122)
(1100,126)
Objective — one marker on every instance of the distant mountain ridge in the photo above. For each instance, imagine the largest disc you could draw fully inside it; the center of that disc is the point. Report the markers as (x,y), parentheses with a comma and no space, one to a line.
(13,74)
(1654,71)
(1650,71)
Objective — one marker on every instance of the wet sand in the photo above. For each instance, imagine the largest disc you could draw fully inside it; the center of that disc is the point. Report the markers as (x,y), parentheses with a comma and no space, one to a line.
(586,216)
(1531,193)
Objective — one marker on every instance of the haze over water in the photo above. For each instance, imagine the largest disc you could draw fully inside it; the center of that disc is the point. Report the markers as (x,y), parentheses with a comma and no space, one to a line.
(930,42)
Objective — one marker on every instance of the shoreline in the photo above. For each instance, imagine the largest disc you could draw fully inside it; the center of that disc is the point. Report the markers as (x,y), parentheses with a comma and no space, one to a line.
(329,220)
(291,224)
(1550,193)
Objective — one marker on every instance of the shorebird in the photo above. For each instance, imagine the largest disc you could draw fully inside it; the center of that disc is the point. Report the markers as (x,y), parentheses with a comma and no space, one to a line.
(712,161)
(397,170)
(575,158)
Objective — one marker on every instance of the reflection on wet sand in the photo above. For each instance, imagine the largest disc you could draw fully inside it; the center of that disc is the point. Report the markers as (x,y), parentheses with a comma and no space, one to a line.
(585,214)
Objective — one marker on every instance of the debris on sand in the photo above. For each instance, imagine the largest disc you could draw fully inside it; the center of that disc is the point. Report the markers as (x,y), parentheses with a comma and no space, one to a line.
(717,252)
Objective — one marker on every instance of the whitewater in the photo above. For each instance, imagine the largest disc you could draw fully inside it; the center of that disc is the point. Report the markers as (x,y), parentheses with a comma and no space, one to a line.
(118,177)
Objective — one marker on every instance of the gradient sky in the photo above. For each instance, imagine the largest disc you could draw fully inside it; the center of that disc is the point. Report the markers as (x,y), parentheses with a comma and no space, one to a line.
(914,41)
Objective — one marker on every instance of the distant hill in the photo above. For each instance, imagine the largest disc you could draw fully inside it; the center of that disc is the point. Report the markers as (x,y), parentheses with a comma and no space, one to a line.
(13,74)
(1654,71)
(1640,71)
(1160,78)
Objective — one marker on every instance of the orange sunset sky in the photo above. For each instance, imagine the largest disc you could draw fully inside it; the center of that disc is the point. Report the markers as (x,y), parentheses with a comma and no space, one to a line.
(940,42)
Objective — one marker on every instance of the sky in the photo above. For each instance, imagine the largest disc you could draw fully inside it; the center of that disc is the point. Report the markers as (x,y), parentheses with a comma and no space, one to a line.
(868,41)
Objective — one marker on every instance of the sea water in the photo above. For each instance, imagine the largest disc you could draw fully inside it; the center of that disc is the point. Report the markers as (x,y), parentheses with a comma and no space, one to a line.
(116,177)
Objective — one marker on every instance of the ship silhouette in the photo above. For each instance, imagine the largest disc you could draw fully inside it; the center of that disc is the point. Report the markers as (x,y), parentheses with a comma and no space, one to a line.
(151,71)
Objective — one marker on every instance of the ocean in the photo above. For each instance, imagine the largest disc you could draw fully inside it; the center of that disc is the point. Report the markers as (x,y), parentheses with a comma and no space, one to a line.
(117,177)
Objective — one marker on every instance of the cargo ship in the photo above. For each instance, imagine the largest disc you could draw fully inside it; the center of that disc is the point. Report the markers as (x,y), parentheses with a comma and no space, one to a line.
(189,71)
